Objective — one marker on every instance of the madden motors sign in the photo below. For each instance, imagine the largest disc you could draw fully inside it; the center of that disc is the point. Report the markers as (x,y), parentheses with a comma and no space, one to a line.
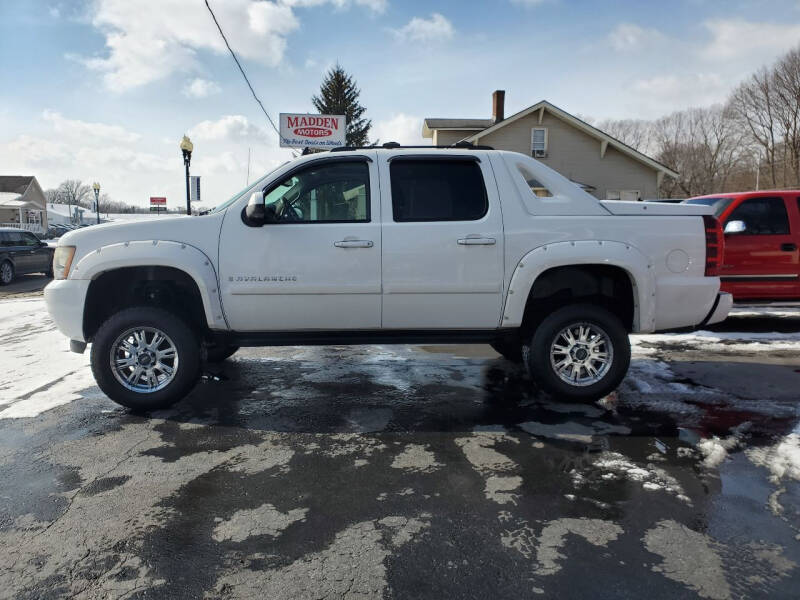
(312,131)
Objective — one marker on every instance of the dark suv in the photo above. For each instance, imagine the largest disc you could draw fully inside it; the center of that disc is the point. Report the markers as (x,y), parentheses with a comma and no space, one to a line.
(22,252)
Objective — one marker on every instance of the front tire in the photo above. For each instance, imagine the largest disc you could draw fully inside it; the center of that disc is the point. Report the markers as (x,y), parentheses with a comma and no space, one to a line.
(145,358)
(580,352)
(6,272)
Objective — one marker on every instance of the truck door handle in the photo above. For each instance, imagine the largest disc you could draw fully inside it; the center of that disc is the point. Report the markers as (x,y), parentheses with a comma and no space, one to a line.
(354,244)
(477,241)
(789,247)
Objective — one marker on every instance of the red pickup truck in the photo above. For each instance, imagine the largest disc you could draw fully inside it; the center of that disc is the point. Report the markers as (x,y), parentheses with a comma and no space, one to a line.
(762,236)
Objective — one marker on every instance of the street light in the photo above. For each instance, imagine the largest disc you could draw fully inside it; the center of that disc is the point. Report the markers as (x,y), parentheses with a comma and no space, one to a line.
(96,188)
(186,148)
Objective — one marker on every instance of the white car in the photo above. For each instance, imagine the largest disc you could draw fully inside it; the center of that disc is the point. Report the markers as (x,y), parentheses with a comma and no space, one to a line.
(389,245)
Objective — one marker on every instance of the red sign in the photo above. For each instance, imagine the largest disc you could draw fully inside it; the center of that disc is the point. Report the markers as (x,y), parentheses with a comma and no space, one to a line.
(155,200)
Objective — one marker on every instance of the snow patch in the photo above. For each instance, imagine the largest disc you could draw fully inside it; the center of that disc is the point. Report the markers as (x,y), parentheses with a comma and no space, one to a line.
(39,371)
(715,450)
(651,477)
(782,459)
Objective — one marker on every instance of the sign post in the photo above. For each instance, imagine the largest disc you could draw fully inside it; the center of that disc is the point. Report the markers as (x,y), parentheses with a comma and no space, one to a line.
(157,204)
(317,132)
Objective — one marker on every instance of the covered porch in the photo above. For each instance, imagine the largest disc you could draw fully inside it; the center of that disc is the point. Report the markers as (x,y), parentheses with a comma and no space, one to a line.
(22,215)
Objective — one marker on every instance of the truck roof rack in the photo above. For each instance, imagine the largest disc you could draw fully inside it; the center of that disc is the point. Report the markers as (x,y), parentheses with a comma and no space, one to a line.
(396,146)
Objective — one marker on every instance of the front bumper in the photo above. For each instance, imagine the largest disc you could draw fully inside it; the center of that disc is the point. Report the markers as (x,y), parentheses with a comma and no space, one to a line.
(719,312)
(65,299)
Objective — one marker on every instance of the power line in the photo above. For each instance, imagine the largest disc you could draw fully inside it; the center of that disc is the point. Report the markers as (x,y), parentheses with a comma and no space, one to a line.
(238,64)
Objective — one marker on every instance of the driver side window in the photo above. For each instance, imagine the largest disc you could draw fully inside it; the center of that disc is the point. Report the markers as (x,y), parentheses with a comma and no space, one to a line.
(336,192)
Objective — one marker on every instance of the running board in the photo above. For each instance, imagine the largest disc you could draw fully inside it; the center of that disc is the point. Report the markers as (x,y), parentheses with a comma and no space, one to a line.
(352,338)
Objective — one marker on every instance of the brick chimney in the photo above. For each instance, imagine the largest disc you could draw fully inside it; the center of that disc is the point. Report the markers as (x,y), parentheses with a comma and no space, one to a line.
(498,105)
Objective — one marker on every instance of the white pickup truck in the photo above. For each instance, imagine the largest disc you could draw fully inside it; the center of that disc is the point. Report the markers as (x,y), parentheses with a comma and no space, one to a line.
(389,245)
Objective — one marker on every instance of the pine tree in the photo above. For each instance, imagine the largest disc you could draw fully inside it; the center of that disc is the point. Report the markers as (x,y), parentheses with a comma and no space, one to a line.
(338,95)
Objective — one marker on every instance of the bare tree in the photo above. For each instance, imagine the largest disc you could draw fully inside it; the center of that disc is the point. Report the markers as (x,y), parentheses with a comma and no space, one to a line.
(754,105)
(786,86)
(52,196)
(636,133)
(702,144)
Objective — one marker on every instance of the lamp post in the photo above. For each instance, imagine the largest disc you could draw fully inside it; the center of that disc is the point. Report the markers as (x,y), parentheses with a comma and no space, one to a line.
(186,148)
(96,188)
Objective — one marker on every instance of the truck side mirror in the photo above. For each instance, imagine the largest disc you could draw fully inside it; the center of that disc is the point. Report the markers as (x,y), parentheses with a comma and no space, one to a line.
(735,227)
(255,212)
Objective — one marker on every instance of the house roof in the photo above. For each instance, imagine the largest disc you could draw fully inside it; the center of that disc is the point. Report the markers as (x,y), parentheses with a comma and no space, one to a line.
(24,189)
(6,197)
(428,125)
(15,183)
(12,203)
(545,106)
(64,209)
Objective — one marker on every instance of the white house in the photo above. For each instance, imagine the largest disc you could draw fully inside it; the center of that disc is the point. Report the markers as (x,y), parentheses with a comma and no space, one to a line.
(22,203)
(59,214)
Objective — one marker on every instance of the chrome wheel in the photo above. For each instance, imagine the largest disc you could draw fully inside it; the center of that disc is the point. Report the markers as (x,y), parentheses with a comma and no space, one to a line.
(144,359)
(6,273)
(581,354)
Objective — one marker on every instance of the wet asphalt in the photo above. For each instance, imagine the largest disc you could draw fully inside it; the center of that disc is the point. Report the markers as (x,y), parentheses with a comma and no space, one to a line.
(413,472)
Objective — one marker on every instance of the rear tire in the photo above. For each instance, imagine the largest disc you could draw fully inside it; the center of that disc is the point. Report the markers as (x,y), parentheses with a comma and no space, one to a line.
(167,370)
(587,368)
(509,350)
(6,272)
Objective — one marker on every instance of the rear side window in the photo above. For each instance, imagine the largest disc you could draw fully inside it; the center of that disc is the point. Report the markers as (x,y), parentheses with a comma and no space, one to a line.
(762,216)
(12,238)
(536,187)
(437,190)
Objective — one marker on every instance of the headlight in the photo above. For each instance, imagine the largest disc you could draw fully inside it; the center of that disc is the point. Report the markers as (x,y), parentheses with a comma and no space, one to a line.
(62,261)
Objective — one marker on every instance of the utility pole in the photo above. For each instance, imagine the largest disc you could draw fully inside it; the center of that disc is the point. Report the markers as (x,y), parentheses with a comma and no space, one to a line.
(758,168)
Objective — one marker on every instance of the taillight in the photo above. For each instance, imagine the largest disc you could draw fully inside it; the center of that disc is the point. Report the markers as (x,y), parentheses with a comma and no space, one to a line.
(715,245)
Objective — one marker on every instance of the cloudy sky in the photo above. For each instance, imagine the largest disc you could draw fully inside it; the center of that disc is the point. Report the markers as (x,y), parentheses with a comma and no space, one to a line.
(104,89)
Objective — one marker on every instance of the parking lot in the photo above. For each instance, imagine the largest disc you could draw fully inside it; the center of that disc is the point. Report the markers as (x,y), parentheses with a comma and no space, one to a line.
(24,284)
(405,472)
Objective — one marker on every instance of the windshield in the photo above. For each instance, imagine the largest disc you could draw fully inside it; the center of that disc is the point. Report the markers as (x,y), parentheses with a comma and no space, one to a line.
(246,191)
(719,204)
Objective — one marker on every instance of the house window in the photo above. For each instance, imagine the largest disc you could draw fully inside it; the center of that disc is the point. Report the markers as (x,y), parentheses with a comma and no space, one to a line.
(629,195)
(539,142)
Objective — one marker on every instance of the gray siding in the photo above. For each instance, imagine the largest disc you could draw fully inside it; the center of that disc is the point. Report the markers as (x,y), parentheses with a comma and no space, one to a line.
(576,155)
